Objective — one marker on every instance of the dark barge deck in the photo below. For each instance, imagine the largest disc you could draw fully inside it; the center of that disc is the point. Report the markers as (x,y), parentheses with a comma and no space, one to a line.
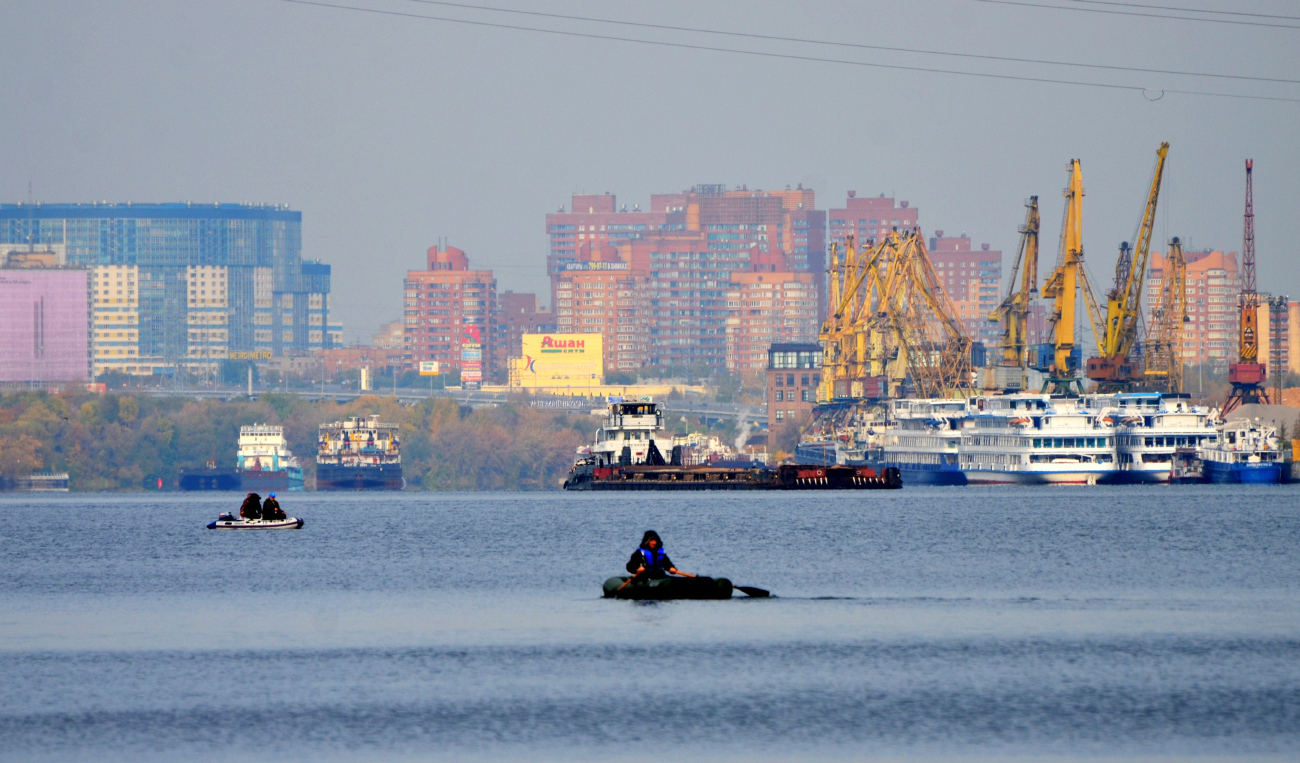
(783,477)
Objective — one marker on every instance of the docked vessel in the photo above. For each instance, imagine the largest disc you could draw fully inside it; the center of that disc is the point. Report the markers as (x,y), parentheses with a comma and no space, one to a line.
(359,454)
(264,461)
(923,440)
(209,478)
(626,456)
(1245,452)
(1152,432)
(1029,439)
(845,434)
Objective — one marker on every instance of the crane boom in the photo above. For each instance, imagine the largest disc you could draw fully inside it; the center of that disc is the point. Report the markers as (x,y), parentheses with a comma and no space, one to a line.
(1063,288)
(1164,342)
(1022,287)
(1114,368)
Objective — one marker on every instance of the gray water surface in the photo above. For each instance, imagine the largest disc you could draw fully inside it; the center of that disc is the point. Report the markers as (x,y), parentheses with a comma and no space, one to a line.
(1158,622)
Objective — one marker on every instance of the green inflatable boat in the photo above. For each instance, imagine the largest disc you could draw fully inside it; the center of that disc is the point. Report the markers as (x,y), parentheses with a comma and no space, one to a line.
(665,589)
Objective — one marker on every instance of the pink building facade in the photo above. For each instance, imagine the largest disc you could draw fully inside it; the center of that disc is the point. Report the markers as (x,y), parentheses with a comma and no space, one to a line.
(44,325)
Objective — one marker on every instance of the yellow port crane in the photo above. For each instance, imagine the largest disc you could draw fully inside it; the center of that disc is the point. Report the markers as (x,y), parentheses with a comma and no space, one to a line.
(1163,352)
(1022,288)
(1063,288)
(891,321)
(1114,369)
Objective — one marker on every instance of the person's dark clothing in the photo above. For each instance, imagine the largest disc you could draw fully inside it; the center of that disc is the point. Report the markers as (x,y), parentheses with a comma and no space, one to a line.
(252,507)
(271,509)
(655,560)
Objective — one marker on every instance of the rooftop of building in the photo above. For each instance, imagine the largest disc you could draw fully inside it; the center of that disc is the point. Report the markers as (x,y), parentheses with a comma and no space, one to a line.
(183,210)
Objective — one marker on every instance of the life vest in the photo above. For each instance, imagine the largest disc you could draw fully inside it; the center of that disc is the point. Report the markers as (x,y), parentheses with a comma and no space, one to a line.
(654,557)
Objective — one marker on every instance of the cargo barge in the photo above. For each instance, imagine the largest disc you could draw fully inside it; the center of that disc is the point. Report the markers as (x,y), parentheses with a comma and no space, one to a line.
(625,457)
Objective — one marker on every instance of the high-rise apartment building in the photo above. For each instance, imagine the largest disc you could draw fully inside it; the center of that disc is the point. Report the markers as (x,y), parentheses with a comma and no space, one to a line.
(1213,283)
(869,219)
(115,329)
(766,309)
(259,245)
(207,318)
(448,309)
(605,296)
(972,279)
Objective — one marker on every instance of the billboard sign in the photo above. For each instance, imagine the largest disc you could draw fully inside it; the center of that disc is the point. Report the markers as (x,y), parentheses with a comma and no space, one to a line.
(429,368)
(560,360)
(471,357)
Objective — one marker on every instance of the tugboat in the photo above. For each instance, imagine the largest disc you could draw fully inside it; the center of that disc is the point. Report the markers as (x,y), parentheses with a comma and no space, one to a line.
(626,456)
(264,461)
(359,454)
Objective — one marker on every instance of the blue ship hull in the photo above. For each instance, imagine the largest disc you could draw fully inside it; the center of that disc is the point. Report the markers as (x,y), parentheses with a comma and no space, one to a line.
(1243,474)
(918,474)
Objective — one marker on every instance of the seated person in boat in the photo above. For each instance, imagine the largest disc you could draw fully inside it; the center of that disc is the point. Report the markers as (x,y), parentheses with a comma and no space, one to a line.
(651,561)
(271,509)
(252,507)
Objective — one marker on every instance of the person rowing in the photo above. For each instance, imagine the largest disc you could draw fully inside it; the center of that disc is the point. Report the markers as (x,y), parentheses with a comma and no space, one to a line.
(650,560)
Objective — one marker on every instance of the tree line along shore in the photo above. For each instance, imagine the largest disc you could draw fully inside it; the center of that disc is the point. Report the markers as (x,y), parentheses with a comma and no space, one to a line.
(125,442)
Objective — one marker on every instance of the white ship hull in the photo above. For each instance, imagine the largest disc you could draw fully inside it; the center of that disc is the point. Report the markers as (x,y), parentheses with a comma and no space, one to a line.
(1102,473)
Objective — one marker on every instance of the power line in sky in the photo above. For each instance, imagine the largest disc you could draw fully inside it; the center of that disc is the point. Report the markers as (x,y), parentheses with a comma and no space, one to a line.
(1188,10)
(861,46)
(1113,12)
(1145,91)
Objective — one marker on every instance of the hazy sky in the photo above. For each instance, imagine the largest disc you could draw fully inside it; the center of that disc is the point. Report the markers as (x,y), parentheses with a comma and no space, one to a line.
(390,132)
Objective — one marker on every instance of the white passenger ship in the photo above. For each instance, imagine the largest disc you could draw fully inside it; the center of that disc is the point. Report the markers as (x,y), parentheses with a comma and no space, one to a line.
(1035,440)
(923,439)
(1149,428)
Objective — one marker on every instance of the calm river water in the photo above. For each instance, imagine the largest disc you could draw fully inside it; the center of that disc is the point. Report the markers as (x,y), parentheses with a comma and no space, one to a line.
(941,623)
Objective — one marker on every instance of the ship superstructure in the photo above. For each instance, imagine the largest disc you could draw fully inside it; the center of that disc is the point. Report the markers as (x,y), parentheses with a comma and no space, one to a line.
(1151,429)
(1036,439)
(923,439)
(264,461)
(1246,451)
(359,454)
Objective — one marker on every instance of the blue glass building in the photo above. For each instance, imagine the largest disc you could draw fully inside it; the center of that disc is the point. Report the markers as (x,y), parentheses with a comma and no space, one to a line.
(278,304)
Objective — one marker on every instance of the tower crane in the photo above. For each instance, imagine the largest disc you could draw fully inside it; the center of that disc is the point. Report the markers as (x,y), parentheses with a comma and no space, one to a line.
(1247,374)
(1063,288)
(1164,341)
(1114,369)
(1022,288)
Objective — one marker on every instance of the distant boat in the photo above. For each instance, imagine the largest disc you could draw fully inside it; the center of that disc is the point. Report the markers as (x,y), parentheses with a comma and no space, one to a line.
(359,454)
(264,461)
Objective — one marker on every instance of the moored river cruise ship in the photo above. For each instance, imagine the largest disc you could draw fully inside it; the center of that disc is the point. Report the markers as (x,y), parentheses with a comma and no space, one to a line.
(1029,439)
(923,439)
(1150,428)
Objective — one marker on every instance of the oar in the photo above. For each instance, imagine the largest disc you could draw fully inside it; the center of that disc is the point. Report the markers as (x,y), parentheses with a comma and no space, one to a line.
(628,582)
(757,593)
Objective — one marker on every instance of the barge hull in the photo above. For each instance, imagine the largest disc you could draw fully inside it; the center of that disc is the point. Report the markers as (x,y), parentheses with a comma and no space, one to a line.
(784,477)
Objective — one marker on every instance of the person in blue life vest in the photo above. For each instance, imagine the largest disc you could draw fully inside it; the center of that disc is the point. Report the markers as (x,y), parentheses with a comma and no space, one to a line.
(650,559)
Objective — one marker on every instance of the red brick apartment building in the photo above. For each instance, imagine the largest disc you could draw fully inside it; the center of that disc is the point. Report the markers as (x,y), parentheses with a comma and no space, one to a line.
(441,303)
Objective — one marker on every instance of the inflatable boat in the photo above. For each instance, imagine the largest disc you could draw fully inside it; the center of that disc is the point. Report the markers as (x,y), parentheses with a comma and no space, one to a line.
(664,589)
(227,522)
